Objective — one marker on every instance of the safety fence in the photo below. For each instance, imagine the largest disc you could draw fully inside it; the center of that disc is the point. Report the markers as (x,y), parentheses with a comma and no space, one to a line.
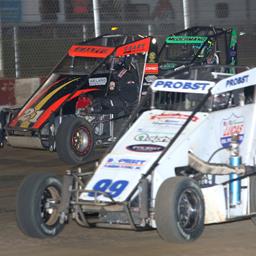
(32,48)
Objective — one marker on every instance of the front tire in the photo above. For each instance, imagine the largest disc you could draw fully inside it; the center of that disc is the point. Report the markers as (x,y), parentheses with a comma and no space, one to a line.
(179,210)
(36,206)
(253,197)
(74,140)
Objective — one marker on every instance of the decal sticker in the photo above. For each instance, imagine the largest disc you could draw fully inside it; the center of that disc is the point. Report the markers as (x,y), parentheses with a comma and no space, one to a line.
(145,148)
(182,85)
(146,137)
(125,163)
(151,68)
(167,66)
(29,116)
(164,116)
(231,126)
(112,188)
(150,78)
(152,57)
(97,81)
(236,81)
(90,51)
(186,39)
(33,100)
(140,46)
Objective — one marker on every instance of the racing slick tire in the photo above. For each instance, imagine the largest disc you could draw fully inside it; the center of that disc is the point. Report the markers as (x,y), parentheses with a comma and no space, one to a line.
(36,206)
(179,210)
(74,140)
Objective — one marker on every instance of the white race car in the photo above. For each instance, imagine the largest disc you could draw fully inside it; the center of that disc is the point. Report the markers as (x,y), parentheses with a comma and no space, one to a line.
(186,158)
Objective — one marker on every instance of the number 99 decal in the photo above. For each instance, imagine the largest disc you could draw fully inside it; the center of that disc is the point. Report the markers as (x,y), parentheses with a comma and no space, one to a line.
(114,189)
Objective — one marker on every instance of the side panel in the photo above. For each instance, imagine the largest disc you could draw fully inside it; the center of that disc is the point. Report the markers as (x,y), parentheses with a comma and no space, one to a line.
(134,154)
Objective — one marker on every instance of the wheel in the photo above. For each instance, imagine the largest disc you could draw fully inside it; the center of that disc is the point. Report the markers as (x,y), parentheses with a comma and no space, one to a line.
(74,140)
(253,197)
(36,206)
(179,210)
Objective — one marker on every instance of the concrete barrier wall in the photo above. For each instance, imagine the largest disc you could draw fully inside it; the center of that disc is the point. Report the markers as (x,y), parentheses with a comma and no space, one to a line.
(17,91)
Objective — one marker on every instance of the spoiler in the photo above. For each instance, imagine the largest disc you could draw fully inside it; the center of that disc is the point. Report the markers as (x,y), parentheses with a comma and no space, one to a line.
(238,81)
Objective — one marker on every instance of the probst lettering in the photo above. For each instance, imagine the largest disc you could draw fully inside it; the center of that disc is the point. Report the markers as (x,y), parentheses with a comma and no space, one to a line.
(237,81)
(182,85)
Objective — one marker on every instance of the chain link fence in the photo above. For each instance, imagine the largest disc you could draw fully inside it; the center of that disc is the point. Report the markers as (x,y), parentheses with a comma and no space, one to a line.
(35,34)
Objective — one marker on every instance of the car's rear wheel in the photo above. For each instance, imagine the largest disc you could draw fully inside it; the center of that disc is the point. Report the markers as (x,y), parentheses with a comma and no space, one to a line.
(179,210)
(36,206)
(74,140)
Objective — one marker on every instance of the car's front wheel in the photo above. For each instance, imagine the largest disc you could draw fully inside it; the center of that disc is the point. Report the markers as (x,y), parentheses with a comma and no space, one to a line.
(179,210)
(36,206)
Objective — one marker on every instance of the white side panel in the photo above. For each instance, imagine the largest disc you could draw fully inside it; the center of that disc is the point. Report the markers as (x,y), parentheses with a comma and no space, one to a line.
(120,171)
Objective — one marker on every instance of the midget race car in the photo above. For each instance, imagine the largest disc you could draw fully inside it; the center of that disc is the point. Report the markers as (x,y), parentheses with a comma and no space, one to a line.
(95,87)
(198,45)
(185,160)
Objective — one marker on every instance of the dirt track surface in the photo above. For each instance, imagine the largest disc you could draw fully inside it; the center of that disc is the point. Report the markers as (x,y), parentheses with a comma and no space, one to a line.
(236,239)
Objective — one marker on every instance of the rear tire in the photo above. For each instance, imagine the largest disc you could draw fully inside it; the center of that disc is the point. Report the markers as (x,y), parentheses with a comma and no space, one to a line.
(36,206)
(74,140)
(179,210)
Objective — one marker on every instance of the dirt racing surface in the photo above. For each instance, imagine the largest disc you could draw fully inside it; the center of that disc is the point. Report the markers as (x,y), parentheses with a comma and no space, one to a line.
(236,239)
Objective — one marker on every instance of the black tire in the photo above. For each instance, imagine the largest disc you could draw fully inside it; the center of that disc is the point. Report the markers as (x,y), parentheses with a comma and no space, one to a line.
(34,217)
(74,140)
(253,197)
(179,210)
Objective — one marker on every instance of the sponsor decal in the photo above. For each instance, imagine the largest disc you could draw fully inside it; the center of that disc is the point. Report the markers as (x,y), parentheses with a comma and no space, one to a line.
(145,148)
(167,66)
(231,126)
(236,81)
(183,85)
(139,46)
(28,114)
(97,81)
(90,51)
(146,137)
(150,78)
(172,115)
(151,68)
(152,57)
(186,39)
(125,163)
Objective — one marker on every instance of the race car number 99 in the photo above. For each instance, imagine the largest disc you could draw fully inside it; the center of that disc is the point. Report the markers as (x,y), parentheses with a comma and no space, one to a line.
(114,189)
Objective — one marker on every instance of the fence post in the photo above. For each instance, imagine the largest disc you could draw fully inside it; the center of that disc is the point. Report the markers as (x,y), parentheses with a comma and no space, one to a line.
(186,14)
(149,29)
(84,32)
(16,52)
(1,51)
(96,16)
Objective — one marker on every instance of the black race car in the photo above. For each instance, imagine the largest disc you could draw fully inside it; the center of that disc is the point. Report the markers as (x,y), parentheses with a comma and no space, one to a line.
(84,100)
